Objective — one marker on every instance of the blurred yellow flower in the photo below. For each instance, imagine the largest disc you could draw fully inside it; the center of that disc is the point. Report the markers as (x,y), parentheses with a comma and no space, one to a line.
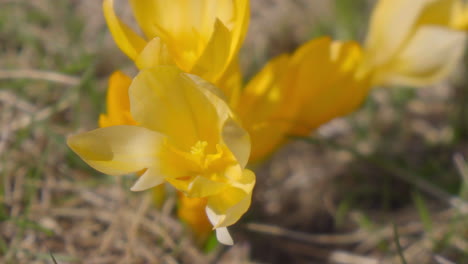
(330,82)
(117,103)
(200,37)
(267,106)
(415,42)
(294,94)
(187,136)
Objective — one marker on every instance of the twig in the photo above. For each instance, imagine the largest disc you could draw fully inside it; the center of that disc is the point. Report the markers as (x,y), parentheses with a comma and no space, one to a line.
(343,239)
(40,75)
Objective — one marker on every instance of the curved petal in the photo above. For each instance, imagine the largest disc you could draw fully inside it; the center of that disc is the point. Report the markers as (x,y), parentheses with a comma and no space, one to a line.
(118,104)
(233,134)
(237,140)
(117,150)
(241,25)
(214,59)
(335,89)
(429,57)
(164,100)
(267,106)
(202,187)
(127,40)
(154,54)
(460,15)
(231,82)
(223,236)
(391,23)
(151,178)
(225,208)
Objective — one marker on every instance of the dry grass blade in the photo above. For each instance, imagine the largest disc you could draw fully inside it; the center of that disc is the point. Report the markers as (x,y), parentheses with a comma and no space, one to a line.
(343,257)
(340,239)
(43,114)
(40,75)
(398,245)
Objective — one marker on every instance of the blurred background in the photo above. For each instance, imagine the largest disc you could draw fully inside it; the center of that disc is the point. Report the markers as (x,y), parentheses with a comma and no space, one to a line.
(394,171)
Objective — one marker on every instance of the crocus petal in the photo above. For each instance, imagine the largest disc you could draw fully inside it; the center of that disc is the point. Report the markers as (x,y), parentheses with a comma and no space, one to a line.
(267,107)
(225,208)
(335,89)
(223,236)
(163,100)
(155,53)
(460,15)
(234,136)
(241,25)
(118,105)
(237,140)
(203,187)
(231,82)
(128,41)
(437,12)
(149,179)
(117,150)
(212,63)
(391,23)
(432,54)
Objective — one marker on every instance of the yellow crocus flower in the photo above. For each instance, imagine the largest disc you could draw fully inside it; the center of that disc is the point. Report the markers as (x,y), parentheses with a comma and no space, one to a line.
(330,82)
(201,37)
(415,42)
(187,136)
(189,210)
(294,94)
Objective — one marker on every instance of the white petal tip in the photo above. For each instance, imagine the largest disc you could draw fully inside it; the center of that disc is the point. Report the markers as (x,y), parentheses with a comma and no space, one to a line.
(223,236)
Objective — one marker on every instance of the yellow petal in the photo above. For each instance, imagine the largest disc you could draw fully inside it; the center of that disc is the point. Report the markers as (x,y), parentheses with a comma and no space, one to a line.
(214,59)
(203,37)
(267,107)
(231,82)
(203,187)
(117,150)
(151,178)
(154,54)
(429,57)
(118,105)
(233,134)
(460,16)
(225,208)
(336,87)
(237,140)
(241,25)
(128,41)
(446,13)
(391,23)
(165,100)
